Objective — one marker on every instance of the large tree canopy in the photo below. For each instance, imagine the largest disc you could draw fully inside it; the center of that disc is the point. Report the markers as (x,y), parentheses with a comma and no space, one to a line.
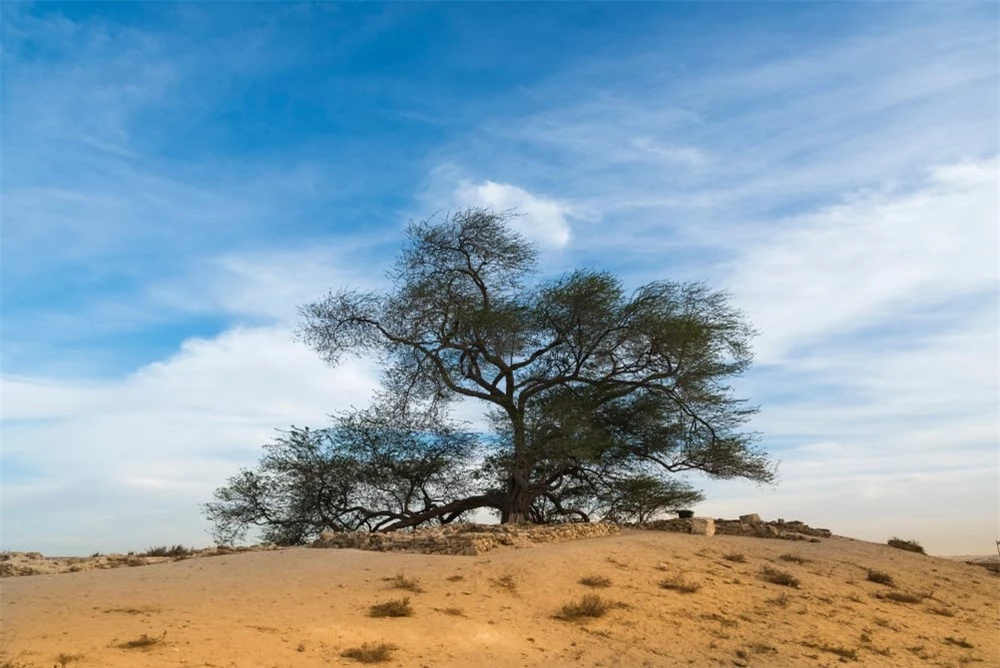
(595,395)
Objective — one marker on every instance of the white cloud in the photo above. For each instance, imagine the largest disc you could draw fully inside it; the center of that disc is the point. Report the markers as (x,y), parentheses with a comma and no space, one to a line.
(161,439)
(689,156)
(865,261)
(539,218)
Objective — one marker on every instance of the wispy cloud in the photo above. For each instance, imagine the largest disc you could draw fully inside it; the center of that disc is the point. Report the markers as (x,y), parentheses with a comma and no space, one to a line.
(162,222)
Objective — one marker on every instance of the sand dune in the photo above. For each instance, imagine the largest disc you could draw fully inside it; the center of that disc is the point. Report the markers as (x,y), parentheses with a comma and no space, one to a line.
(306,607)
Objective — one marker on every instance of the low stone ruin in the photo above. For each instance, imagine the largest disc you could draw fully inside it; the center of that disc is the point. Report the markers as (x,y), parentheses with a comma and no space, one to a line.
(464,539)
(746,525)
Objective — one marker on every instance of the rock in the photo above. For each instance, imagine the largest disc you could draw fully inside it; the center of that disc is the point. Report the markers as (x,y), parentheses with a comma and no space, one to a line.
(703,526)
(752,518)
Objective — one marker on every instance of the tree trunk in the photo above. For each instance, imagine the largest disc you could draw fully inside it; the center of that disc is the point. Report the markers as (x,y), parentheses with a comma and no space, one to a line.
(518,502)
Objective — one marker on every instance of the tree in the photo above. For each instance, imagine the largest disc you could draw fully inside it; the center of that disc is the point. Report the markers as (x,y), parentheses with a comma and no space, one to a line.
(372,469)
(596,397)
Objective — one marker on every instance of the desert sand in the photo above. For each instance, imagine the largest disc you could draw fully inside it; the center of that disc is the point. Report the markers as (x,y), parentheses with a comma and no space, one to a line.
(306,607)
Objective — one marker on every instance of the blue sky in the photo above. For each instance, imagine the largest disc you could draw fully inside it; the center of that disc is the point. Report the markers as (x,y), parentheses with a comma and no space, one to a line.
(178,178)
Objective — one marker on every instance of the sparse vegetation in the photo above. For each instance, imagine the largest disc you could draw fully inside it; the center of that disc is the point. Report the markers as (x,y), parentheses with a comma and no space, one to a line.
(881,577)
(781,601)
(506,582)
(455,578)
(370,652)
(590,606)
(595,581)
(678,583)
(778,577)
(164,551)
(454,612)
(737,557)
(842,652)
(403,582)
(794,558)
(399,607)
(64,659)
(960,642)
(142,642)
(901,597)
(908,545)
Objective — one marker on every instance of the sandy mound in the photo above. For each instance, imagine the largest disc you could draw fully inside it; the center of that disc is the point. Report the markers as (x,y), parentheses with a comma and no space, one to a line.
(666,599)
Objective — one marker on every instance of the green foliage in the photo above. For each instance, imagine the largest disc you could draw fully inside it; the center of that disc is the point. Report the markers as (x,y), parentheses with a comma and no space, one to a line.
(597,396)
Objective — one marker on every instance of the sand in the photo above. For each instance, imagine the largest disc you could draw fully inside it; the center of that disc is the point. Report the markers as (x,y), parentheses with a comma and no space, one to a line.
(305,607)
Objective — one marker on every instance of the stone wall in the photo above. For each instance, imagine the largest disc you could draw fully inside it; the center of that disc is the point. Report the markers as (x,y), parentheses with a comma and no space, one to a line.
(746,525)
(464,539)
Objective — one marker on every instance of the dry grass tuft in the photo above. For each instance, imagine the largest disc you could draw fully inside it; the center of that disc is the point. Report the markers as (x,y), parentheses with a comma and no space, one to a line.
(399,607)
(781,601)
(505,582)
(881,577)
(595,581)
(142,642)
(737,557)
(901,597)
(678,583)
(908,545)
(794,558)
(370,652)
(842,652)
(403,582)
(64,659)
(590,606)
(783,578)
(164,551)
(960,642)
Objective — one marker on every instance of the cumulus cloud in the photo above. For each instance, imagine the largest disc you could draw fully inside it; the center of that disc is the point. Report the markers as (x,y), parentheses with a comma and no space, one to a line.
(539,218)
(160,439)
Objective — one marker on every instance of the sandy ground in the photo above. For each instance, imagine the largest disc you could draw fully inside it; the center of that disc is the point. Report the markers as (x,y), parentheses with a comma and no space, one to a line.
(304,607)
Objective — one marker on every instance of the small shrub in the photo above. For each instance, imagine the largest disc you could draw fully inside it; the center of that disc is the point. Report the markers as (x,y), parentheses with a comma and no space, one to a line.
(403,582)
(164,551)
(399,607)
(142,642)
(780,601)
(901,597)
(842,652)
(881,578)
(794,558)
(961,642)
(64,659)
(590,606)
(774,576)
(595,581)
(737,557)
(678,583)
(505,582)
(908,545)
(370,652)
